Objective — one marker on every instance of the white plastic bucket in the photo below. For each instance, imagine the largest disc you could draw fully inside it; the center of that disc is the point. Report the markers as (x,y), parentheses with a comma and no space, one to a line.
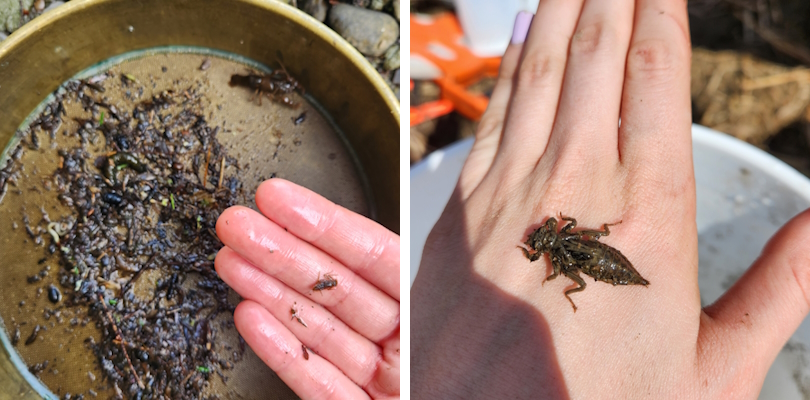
(487,24)
(743,196)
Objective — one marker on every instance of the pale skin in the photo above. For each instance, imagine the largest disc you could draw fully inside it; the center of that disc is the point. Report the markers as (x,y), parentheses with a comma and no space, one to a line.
(274,258)
(484,326)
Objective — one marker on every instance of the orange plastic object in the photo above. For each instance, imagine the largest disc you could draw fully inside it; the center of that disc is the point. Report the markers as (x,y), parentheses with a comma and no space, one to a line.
(438,39)
(430,110)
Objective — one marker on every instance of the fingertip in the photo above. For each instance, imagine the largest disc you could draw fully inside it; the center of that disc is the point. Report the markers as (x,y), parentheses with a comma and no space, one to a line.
(223,220)
(245,312)
(523,21)
(280,349)
(219,261)
(276,193)
(763,309)
(792,234)
(266,335)
(222,262)
(228,217)
(788,250)
(280,200)
(252,321)
(276,196)
(272,187)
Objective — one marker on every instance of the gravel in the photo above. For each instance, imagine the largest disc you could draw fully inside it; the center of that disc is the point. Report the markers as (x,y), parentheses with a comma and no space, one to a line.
(316,8)
(371,32)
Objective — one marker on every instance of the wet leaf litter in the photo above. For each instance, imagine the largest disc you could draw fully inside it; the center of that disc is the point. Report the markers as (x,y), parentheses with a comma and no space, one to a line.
(131,200)
(146,201)
(574,252)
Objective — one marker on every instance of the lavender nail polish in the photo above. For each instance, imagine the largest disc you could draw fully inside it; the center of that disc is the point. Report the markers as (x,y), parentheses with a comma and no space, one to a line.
(522,23)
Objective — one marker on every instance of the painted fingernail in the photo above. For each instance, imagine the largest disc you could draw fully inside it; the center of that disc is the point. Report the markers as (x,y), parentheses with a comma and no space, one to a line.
(522,23)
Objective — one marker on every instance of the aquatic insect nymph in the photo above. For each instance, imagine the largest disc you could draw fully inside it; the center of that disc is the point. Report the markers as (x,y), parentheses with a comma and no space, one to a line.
(572,252)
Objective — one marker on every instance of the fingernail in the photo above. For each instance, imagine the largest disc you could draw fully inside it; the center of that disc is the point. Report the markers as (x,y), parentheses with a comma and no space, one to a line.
(522,23)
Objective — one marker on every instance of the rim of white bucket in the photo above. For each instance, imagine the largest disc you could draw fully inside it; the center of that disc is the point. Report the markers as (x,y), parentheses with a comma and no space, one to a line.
(708,137)
(764,162)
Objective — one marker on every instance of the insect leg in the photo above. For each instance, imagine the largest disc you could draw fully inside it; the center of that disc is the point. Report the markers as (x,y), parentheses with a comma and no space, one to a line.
(594,234)
(556,266)
(530,256)
(572,223)
(577,279)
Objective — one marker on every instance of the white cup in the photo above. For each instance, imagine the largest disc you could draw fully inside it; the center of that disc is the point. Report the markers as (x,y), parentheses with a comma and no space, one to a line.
(487,24)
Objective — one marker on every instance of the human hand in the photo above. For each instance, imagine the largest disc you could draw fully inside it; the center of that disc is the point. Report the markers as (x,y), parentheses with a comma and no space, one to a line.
(483,323)
(274,260)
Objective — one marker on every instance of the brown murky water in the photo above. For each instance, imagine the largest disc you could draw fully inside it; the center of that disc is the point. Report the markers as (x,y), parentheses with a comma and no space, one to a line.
(266,141)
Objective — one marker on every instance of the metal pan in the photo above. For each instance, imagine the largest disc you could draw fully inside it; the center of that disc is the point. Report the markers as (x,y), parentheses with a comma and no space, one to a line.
(353,117)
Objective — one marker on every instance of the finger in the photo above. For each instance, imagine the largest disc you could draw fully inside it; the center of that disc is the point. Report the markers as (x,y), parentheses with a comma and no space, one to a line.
(655,133)
(361,244)
(300,265)
(587,123)
(354,355)
(488,135)
(313,378)
(752,321)
(387,381)
(537,84)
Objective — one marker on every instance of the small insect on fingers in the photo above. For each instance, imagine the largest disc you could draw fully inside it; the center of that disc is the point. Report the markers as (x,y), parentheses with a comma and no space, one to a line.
(328,282)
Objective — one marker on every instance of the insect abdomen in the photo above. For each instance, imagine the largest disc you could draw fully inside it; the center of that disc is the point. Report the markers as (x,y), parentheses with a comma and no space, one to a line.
(611,266)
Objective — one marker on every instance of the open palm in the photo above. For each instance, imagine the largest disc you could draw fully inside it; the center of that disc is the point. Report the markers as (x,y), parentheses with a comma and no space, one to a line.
(274,259)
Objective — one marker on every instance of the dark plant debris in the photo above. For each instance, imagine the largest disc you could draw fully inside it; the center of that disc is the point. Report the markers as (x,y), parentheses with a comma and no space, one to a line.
(137,250)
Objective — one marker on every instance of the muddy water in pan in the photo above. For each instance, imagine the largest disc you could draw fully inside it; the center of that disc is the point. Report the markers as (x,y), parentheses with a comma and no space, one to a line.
(221,144)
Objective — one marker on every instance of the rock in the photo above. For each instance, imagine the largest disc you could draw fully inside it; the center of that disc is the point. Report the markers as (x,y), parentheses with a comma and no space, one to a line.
(371,32)
(54,4)
(378,5)
(396,9)
(10,13)
(392,58)
(316,8)
(8,10)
